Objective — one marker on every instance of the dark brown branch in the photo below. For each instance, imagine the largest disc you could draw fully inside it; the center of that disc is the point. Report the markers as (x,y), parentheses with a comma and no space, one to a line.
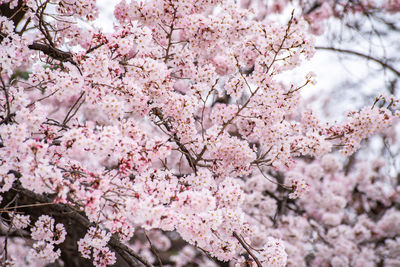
(247,249)
(126,257)
(117,245)
(52,52)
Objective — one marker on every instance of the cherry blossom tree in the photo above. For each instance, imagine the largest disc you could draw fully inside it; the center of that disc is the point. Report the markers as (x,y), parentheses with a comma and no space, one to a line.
(180,140)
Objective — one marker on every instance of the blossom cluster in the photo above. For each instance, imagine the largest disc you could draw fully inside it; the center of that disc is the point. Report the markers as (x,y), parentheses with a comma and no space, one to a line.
(47,235)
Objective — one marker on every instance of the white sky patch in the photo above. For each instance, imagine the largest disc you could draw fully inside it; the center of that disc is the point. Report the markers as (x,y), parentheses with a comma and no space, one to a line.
(106,18)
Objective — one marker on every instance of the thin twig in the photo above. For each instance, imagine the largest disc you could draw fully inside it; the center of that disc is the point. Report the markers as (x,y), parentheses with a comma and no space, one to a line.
(68,117)
(26,206)
(153,249)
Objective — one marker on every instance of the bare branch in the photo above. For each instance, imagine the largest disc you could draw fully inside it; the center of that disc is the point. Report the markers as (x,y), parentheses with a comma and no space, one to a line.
(359,54)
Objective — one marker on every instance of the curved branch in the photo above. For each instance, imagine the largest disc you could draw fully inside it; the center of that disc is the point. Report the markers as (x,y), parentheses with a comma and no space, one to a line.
(52,52)
(359,54)
(117,245)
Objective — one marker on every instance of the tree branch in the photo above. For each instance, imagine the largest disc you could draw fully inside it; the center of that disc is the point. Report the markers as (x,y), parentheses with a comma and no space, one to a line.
(52,52)
(247,249)
(359,54)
